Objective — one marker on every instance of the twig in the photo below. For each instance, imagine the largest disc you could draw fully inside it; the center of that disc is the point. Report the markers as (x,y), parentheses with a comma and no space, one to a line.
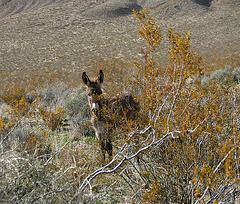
(221,162)
(10,131)
(205,192)
(46,163)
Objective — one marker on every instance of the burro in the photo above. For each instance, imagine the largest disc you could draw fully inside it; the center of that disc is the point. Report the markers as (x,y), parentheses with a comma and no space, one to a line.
(108,114)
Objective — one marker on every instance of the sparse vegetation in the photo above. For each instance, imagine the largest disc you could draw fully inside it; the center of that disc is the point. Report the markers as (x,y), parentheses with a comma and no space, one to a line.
(227,77)
(184,147)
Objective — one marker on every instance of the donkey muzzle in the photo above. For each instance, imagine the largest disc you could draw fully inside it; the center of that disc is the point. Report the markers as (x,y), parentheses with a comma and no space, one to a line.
(95,106)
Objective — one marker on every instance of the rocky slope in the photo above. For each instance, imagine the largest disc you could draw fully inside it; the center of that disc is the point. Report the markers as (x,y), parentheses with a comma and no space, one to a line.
(71,34)
(11,7)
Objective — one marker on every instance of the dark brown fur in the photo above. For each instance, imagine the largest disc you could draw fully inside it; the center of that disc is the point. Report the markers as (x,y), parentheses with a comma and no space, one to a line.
(106,114)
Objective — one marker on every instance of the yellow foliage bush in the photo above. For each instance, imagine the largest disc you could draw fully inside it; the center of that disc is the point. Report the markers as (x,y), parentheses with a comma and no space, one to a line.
(202,120)
(53,119)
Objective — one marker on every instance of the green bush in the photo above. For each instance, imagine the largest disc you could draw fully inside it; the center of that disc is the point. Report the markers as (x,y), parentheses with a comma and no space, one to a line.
(228,76)
(76,105)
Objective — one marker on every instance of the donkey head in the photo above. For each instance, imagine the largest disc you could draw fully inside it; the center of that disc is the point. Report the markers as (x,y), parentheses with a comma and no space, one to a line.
(93,89)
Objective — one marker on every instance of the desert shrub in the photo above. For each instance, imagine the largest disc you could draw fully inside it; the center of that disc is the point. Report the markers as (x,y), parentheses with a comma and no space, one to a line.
(76,105)
(13,128)
(38,163)
(18,183)
(13,93)
(47,82)
(47,164)
(199,131)
(228,76)
(52,118)
(188,151)
(19,135)
(30,182)
(53,95)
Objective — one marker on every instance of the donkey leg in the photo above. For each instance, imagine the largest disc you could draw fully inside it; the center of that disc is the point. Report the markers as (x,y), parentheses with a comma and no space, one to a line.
(109,147)
(103,155)
(103,150)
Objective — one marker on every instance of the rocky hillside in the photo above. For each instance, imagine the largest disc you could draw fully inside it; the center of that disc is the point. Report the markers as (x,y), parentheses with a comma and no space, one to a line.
(71,34)
(107,8)
(11,7)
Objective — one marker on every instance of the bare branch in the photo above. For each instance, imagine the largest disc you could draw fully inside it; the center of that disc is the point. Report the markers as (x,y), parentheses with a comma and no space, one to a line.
(126,158)
(222,161)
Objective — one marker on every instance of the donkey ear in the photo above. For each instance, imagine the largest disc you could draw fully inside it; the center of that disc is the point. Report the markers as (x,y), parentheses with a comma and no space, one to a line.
(85,79)
(100,77)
